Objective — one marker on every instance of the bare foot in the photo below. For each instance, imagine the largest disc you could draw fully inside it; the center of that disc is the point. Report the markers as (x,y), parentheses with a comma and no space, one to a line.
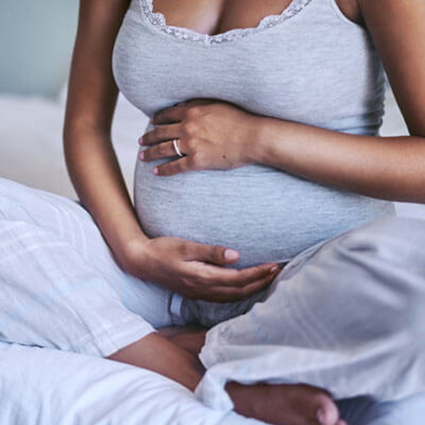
(275,404)
(285,404)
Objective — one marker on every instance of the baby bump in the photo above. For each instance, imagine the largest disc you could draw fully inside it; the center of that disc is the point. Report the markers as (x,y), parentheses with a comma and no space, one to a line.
(264,213)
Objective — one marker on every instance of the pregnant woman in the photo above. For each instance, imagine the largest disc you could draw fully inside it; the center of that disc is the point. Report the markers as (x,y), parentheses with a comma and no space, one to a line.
(263,204)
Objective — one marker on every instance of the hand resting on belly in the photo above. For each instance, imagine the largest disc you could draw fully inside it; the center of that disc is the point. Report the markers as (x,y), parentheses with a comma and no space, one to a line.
(197,270)
(204,128)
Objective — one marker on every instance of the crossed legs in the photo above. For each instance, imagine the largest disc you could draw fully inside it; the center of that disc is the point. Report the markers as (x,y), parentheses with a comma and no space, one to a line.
(72,296)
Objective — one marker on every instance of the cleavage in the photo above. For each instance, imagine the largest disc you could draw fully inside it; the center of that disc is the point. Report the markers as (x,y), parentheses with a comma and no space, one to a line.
(214,17)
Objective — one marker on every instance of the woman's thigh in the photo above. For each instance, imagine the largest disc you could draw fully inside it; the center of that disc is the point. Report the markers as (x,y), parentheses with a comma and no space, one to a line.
(57,271)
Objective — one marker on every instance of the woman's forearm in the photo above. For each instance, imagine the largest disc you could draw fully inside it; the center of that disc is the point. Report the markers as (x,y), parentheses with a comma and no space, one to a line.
(97,178)
(91,101)
(390,168)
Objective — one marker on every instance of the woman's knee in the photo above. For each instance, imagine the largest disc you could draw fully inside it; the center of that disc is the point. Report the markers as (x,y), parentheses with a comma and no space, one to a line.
(393,246)
(392,238)
(82,316)
(387,259)
(372,276)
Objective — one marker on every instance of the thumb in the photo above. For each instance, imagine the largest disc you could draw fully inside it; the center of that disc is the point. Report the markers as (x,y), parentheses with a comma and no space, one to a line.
(215,254)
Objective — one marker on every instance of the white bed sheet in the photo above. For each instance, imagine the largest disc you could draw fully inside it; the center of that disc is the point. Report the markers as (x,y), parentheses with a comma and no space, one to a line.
(50,387)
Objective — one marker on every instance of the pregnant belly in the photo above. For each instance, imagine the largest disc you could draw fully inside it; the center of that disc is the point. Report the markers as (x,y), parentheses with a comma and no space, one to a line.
(264,213)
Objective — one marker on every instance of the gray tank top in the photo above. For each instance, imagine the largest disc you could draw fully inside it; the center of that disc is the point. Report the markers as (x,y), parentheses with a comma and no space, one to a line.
(309,64)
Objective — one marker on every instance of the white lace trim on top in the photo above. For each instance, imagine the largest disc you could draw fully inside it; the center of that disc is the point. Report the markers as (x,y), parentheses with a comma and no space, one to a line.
(158,20)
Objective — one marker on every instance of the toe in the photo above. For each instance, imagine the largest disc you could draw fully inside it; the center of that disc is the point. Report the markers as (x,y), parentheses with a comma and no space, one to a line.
(326,410)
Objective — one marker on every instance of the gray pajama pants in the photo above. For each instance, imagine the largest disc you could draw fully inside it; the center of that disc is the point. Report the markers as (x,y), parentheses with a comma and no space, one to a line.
(346,314)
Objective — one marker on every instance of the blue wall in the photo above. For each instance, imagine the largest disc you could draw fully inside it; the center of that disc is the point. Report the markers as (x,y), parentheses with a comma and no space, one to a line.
(36,40)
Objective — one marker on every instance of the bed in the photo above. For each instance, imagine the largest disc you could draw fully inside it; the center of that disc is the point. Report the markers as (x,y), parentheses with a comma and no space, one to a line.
(43,386)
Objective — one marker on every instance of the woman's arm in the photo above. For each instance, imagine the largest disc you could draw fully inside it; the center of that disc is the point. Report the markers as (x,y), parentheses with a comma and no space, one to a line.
(390,168)
(92,95)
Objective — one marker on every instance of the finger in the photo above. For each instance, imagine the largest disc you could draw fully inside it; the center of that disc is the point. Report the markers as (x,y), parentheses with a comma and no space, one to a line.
(215,254)
(161,134)
(222,294)
(162,150)
(172,114)
(251,274)
(173,167)
(213,275)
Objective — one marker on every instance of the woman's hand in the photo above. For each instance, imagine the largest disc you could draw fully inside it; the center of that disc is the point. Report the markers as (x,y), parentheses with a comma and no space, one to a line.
(196,270)
(212,134)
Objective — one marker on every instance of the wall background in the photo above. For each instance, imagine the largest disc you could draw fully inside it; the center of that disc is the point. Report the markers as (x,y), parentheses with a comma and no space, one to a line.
(36,39)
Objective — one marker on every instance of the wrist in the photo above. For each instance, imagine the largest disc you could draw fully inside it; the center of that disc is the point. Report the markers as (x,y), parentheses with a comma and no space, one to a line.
(256,151)
(131,251)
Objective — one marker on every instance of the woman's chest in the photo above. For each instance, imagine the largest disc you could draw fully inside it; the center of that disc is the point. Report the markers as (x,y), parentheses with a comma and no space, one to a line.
(214,17)
(304,64)
(217,16)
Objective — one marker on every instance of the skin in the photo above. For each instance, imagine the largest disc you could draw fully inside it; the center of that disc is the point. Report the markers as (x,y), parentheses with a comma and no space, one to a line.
(355,163)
